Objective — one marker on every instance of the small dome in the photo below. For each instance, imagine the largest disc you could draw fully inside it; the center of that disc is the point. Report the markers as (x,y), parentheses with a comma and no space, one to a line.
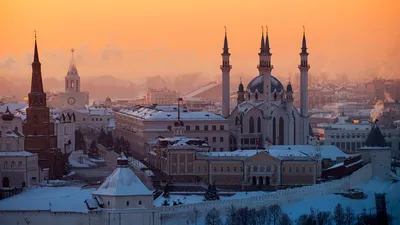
(258,84)
(7,116)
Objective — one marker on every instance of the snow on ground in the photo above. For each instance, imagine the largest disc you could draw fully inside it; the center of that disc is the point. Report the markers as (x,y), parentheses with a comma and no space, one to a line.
(56,199)
(327,203)
(79,160)
(192,197)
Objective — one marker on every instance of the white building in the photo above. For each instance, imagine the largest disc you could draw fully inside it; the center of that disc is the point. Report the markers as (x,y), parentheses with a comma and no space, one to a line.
(265,113)
(72,97)
(142,124)
(93,119)
(18,168)
(65,130)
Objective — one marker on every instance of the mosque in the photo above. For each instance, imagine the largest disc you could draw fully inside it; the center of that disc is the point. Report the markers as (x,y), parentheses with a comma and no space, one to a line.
(262,118)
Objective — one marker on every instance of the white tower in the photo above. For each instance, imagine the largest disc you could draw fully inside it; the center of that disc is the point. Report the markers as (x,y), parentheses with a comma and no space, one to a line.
(304,67)
(265,68)
(72,80)
(225,68)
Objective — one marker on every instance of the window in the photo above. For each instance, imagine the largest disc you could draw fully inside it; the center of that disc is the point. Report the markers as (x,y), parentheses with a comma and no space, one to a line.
(214,149)
(258,125)
(221,127)
(5,164)
(214,139)
(221,139)
(127,203)
(206,138)
(215,169)
(169,128)
(108,203)
(12,164)
(283,169)
(304,169)
(228,169)
(84,119)
(97,119)
(234,169)
(297,169)
(140,202)
(92,119)
(290,169)
(197,128)
(251,125)
(101,119)
(241,169)
(187,128)
(19,164)
(309,169)
(214,127)
(206,127)
(222,169)
(221,149)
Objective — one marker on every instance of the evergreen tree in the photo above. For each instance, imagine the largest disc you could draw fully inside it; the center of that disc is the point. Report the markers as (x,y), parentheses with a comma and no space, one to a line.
(212,193)
(166,193)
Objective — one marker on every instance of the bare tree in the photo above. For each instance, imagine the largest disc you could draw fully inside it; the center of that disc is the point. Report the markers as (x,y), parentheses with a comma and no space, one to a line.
(231,213)
(213,217)
(349,216)
(263,216)
(324,218)
(252,217)
(285,220)
(243,216)
(275,212)
(338,214)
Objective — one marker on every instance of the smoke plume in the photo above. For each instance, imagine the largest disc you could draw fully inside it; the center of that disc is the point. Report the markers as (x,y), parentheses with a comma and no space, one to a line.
(377,111)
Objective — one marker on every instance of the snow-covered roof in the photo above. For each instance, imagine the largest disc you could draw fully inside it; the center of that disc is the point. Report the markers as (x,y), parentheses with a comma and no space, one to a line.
(200,90)
(148,113)
(98,111)
(122,182)
(54,199)
(17,153)
(180,142)
(13,107)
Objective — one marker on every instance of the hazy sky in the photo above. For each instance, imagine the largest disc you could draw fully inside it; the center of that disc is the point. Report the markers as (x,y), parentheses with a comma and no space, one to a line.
(134,39)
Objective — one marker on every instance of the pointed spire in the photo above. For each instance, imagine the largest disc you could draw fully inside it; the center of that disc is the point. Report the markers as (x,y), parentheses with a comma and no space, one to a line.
(226,49)
(267,42)
(35,53)
(72,66)
(262,48)
(304,43)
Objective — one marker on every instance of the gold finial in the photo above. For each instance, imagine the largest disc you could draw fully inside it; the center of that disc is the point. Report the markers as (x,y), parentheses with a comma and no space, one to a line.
(304,30)
(35,33)
(262,30)
(225,28)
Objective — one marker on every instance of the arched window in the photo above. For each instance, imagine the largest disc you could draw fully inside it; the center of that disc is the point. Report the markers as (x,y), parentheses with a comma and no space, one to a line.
(273,130)
(258,125)
(72,84)
(19,164)
(5,164)
(140,202)
(251,125)
(12,164)
(281,131)
(127,203)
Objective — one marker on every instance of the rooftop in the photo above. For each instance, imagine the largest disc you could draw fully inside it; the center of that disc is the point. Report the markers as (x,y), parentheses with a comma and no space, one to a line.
(375,137)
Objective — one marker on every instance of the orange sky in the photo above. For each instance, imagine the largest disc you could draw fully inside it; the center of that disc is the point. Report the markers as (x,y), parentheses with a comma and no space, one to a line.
(134,39)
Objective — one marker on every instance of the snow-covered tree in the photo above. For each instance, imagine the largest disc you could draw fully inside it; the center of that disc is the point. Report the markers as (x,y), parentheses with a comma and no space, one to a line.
(213,217)
(275,212)
(231,214)
(284,220)
(263,216)
(211,193)
(338,214)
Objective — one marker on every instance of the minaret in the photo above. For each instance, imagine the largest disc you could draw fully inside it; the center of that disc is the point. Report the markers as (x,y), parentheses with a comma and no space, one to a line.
(225,68)
(72,79)
(304,67)
(240,93)
(265,69)
(289,110)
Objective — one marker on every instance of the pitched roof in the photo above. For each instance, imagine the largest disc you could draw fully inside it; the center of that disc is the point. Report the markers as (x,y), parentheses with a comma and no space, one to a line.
(122,182)
(375,137)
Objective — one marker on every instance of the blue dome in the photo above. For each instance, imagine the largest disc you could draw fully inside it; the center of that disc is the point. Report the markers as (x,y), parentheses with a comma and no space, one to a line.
(258,84)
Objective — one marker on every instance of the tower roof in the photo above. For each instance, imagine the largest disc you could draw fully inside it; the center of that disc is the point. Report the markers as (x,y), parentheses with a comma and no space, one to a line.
(289,87)
(304,42)
(241,87)
(267,48)
(72,71)
(226,48)
(7,116)
(262,48)
(122,182)
(36,83)
(375,137)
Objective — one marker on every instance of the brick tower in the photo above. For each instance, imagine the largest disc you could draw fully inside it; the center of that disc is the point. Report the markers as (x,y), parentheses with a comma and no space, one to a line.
(38,129)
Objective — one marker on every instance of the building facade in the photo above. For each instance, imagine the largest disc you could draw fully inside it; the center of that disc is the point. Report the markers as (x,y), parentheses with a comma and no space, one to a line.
(161,96)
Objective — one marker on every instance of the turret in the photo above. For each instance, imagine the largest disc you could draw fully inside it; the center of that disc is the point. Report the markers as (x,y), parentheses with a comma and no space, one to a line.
(289,92)
(240,93)
(72,79)
(225,68)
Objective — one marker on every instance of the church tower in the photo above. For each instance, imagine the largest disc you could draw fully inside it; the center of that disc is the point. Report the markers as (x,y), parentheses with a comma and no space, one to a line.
(304,67)
(72,80)
(225,68)
(265,68)
(39,131)
(240,93)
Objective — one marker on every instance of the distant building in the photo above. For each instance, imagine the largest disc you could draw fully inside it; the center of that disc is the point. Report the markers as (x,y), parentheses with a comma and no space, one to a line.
(161,96)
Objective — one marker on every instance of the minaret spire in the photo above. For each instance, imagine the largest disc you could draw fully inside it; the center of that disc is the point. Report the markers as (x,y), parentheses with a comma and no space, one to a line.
(262,48)
(225,68)
(304,43)
(36,53)
(36,83)
(226,48)
(267,42)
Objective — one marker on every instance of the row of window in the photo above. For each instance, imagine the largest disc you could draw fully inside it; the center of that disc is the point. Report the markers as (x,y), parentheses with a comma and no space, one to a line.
(303,169)
(13,165)
(353,145)
(96,119)
(228,169)
(197,127)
